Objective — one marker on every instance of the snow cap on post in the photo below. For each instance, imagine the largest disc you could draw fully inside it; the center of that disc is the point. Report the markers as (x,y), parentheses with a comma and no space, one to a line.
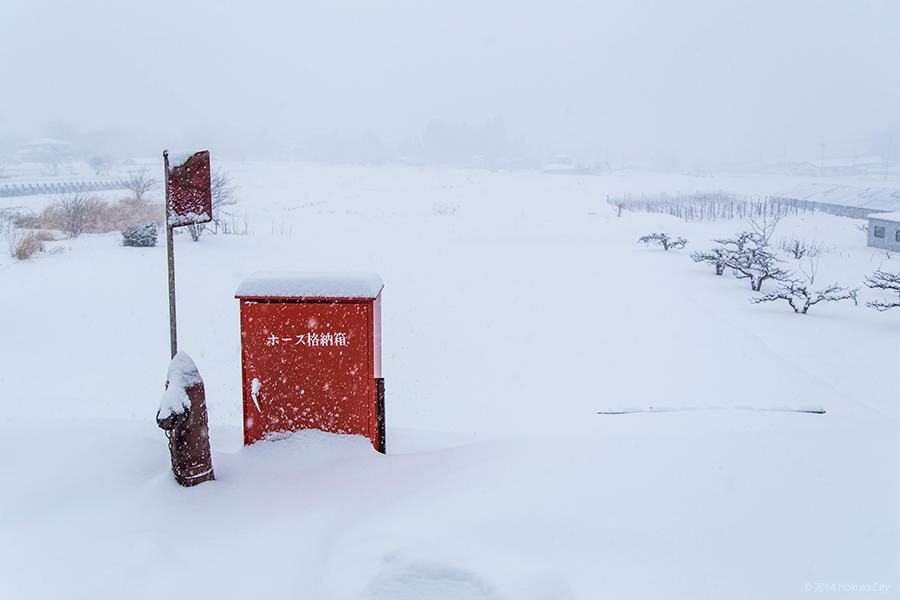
(182,374)
(190,196)
(281,284)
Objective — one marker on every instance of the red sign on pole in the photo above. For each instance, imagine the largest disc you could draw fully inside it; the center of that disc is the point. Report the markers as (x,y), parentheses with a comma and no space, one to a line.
(189,198)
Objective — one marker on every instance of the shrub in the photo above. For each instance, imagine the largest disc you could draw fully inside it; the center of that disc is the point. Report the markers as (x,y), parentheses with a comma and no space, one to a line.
(143,236)
(663,239)
(91,215)
(23,244)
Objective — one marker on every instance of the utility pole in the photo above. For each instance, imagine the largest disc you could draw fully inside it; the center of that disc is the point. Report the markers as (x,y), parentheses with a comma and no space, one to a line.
(822,160)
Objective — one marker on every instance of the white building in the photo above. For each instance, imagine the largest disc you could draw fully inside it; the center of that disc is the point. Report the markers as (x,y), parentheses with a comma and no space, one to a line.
(884,231)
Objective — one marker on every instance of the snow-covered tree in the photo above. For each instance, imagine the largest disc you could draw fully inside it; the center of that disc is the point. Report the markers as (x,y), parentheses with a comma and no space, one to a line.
(740,241)
(717,258)
(883,280)
(799,292)
(141,183)
(799,295)
(223,195)
(756,264)
(748,256)
(663,240)
(100,164)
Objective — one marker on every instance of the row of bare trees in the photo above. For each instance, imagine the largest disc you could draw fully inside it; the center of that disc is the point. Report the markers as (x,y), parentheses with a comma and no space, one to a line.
(750,255)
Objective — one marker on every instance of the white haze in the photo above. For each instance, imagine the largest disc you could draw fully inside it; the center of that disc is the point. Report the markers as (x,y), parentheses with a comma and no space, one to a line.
(705,82)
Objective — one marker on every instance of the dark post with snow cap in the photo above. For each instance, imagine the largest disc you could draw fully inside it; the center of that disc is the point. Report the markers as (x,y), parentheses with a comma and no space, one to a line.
(311,354)
(182,414)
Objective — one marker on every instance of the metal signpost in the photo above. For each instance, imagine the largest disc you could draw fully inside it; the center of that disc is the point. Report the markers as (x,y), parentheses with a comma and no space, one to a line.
(188,202)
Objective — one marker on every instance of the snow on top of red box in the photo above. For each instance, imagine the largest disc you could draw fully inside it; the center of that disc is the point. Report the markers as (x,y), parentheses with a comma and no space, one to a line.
(281,284)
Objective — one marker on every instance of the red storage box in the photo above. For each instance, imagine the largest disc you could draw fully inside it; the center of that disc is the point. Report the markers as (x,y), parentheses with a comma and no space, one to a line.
(311,354)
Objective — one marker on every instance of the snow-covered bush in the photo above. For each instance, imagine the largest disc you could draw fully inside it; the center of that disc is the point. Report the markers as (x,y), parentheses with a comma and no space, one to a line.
(663,240)
(883,280)
(143,236)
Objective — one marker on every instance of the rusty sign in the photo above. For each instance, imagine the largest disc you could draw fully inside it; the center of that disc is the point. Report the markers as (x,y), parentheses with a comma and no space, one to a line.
(189,198)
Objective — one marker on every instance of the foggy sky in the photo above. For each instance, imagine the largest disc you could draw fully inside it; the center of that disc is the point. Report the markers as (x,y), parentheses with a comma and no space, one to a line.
(703,80)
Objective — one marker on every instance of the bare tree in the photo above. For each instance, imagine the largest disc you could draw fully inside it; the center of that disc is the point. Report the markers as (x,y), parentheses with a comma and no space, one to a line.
(798,293)
(800,297)
(741,241)
(194,230)
(663,239)
(74,213)
(757,265)
(100,164)
(763,228)
(140,184)
(717,258)
(222,195)
(883,280)
(748,257)
(797,249)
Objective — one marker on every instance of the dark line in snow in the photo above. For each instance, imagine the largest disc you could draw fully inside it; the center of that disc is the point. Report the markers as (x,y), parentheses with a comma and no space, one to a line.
(629,411)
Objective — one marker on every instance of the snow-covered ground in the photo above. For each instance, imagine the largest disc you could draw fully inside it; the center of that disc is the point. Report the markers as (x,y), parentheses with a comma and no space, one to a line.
(517,306)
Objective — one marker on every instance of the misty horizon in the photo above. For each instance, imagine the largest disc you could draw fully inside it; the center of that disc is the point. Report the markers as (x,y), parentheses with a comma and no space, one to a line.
(694,84)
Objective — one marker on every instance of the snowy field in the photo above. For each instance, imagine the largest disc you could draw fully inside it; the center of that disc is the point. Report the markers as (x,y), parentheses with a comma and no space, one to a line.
(516,307)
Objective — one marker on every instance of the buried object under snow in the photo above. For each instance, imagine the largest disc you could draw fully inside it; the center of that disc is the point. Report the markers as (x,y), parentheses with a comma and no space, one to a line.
(182,414)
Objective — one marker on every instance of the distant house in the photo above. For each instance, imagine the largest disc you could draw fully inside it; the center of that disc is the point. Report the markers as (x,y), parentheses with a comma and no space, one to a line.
(49,152)
(884,231)
(835,167)
(563,165)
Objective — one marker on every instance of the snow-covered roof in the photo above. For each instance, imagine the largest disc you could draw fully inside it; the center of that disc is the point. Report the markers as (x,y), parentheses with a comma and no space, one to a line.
(859,161)
(286,284)
(886,216)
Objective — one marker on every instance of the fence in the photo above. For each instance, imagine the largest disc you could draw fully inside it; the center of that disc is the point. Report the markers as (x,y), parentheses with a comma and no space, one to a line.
(719,206)
(59,187)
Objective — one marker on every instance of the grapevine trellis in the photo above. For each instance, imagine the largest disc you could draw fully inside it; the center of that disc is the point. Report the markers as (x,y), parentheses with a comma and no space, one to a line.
(722,206)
